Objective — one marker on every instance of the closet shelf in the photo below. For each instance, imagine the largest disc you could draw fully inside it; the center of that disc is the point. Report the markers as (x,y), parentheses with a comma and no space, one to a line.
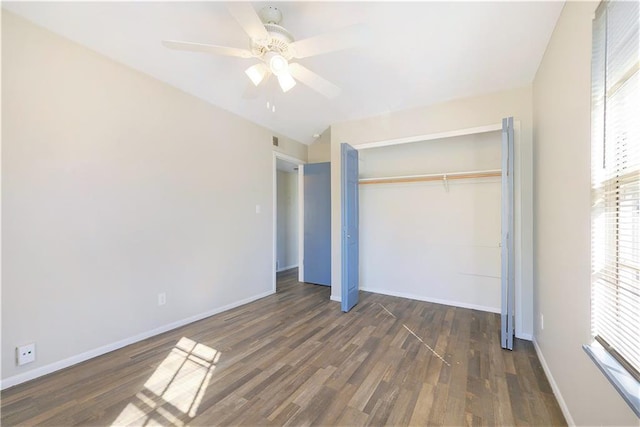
(432,177)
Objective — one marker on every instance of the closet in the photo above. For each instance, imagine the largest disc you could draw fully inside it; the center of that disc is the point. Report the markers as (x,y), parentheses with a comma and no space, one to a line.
(433,221)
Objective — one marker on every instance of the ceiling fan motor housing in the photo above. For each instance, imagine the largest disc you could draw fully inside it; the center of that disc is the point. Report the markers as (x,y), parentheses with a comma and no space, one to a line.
(270,15)
(279,37)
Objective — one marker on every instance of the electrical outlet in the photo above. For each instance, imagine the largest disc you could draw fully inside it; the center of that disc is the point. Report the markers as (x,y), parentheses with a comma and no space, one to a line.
(162,298)
(26,354)
(541,322)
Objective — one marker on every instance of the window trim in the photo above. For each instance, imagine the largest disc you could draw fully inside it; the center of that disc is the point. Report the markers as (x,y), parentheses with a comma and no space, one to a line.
(617,374)
(625,379)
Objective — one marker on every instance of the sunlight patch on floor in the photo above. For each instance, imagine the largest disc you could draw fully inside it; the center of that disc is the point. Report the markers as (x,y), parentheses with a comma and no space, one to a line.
(175,390)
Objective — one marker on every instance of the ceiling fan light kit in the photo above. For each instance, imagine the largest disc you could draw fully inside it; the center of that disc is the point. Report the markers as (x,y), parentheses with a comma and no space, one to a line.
(286,82)
(277,63)
(279,66)
(276,47)
(256,73)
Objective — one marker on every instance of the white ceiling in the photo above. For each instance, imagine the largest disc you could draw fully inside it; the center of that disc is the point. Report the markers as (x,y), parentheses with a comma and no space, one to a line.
(420,53)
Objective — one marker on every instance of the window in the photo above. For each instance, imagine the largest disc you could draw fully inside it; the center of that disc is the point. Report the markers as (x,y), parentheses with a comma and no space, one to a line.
(615,179)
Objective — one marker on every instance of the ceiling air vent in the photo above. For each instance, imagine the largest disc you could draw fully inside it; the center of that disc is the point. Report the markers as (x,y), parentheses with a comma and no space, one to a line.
(275,140)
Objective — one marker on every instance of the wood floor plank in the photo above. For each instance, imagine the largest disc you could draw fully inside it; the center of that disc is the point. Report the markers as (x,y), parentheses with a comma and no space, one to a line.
(380,412)
(454,414)
(439,405)
(294,358)
(368,387)
(313,407)
(352,417)
(503,413)
(422,410)
(401,411)
(334,408)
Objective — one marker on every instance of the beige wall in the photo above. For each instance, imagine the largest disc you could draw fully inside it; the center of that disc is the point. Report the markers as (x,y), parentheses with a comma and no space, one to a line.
(115,188)
(561,109)
(320,149)
(452,116)
(289,147)
(320,152)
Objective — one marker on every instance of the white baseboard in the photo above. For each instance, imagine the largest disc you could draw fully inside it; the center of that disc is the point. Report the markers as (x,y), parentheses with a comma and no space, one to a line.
(434,300)
(78,358)
(289,267)
(335,298)
(554,386)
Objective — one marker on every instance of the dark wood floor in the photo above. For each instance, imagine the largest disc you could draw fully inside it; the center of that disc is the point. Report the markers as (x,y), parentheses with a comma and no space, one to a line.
(293,358)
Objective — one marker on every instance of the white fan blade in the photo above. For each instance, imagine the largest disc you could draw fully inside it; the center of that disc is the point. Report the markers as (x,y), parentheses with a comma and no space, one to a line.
(314,81)
(353,36)
(207,48)
(248,19)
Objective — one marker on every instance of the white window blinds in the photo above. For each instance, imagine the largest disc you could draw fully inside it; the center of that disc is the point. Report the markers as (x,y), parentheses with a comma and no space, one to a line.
(615,176)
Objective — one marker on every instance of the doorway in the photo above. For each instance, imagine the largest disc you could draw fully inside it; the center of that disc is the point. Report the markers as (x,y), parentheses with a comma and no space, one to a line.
(287,215)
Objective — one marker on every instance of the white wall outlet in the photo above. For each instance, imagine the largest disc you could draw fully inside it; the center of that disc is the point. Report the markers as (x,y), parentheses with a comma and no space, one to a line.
(258,209)
(162,298)
(26,354)
(541,322)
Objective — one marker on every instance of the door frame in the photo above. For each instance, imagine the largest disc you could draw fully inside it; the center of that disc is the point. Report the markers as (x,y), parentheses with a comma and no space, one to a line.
(274,231)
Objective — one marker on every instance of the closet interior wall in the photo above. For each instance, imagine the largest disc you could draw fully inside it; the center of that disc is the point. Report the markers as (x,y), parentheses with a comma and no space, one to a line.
(435,240)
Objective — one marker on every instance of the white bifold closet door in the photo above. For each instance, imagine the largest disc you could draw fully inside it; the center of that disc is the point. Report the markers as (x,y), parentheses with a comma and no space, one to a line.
(507,252)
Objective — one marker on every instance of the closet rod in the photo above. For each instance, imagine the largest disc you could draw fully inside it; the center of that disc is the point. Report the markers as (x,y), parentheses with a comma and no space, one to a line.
(433,177)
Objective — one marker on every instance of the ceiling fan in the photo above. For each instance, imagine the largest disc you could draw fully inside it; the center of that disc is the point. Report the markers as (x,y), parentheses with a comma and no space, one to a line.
(275,46)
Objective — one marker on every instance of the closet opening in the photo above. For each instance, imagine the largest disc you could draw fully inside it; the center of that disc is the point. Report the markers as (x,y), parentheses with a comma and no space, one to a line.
(433,218)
